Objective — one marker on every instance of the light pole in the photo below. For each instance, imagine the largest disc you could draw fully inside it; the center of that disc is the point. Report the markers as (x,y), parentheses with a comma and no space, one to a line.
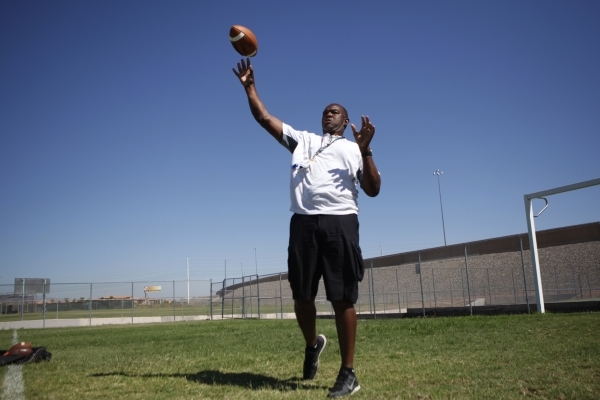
(438,173)
(255,262)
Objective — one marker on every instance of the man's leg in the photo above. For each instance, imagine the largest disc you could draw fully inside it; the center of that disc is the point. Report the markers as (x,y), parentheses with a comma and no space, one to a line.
(306,315)
(342,269)
(304,275)
(345,322)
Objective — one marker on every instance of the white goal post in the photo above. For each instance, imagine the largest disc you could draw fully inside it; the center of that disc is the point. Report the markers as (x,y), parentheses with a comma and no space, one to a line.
(535,262)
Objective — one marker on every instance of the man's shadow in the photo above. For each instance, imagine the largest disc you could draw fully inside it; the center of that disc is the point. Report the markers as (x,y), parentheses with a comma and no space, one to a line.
(246,380)
(342,179)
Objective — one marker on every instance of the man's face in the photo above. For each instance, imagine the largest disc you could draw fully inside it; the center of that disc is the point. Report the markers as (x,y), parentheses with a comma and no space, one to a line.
(334,120)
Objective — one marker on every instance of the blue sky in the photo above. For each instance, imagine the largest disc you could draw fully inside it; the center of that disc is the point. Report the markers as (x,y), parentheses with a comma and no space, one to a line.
(127,146)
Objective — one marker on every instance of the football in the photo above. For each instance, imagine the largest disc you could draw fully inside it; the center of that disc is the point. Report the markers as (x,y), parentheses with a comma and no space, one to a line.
(22,349)
(243,40)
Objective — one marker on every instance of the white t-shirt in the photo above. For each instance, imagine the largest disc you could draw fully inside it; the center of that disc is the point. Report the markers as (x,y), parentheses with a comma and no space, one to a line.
(325,172)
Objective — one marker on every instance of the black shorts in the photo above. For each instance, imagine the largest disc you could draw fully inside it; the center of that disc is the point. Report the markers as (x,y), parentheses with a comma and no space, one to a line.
(325,245)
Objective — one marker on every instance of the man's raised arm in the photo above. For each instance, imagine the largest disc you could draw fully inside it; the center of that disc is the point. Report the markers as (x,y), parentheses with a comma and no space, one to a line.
(271,124)
(371,179)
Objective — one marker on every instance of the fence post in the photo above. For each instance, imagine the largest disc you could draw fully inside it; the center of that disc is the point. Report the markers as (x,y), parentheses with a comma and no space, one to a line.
(22,298)
(258,294)
(251,305)
(434,294)
(373,291)
(468,282)
(462,287)
(243,297)
(44,304)
(398,290)
(512,271)
(232,297)
(132,302)
(211,299)
(280,296)
(524,275)
(174,305)
(421,279)
(451,299)
(556,279)
(223,300)
(91,304)
(489,286)
(574,286)
(383,294)
(370,294)
(587,271)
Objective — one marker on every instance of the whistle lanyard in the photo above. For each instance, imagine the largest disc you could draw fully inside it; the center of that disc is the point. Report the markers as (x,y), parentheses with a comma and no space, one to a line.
(306,163)
(332,141)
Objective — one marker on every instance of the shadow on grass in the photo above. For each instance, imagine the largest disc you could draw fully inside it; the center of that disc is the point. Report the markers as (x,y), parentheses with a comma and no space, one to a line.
(243,379)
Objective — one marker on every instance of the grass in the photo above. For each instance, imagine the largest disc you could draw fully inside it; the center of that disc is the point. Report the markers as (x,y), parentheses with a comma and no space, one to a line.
(540,356)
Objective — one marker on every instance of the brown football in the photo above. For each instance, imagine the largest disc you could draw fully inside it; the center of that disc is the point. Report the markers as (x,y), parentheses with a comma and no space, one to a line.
(23,349)
(243,40)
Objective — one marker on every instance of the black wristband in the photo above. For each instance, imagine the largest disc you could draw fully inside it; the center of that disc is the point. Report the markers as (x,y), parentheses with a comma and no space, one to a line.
(367,154)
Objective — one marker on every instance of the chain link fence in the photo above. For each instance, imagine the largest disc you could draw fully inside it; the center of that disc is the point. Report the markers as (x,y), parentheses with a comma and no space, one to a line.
(160,301)
(395,290)
(569,273)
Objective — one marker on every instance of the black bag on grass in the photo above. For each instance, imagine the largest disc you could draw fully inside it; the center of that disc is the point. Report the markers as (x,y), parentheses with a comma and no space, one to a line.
(37,354)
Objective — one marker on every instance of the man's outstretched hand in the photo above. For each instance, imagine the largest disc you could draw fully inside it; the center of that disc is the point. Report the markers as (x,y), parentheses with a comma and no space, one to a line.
(371,180)
(244,72)
(365,135)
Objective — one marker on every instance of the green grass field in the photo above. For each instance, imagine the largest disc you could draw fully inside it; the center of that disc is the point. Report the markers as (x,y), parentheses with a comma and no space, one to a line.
(550,356)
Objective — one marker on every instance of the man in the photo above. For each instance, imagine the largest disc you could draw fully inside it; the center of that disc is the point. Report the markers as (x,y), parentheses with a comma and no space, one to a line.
(324,228)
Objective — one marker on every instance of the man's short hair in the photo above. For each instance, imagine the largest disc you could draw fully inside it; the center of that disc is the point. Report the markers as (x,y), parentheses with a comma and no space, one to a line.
(343,109)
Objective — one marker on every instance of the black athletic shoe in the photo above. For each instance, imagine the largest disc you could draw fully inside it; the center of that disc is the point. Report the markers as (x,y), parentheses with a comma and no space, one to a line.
(311,358)
(345,384)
